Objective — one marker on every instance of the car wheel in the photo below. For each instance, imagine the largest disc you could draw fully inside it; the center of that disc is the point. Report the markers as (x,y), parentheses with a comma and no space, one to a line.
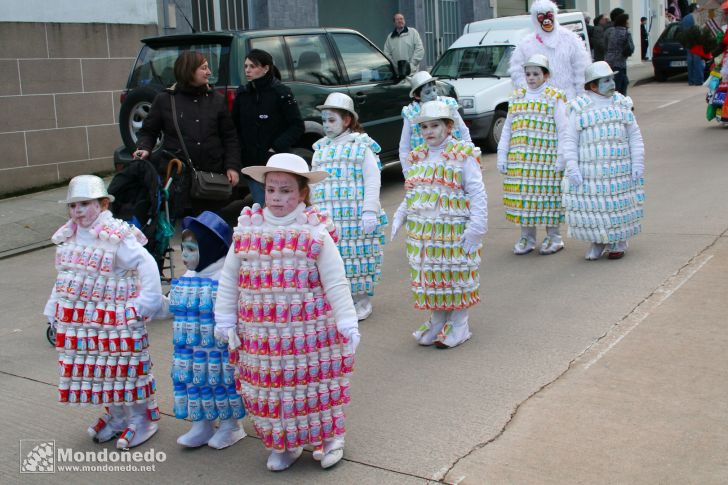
(496,128)
(132,114)
(660,76)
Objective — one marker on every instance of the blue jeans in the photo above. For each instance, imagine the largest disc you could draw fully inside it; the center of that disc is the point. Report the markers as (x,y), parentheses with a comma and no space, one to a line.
(257,190)
(696,69)
(621,81)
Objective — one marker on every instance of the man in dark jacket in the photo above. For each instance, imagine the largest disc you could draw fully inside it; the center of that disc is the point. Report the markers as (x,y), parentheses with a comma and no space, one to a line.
(597,39)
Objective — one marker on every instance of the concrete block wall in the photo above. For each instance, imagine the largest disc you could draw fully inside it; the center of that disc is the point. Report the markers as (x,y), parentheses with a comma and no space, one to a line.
(59,98)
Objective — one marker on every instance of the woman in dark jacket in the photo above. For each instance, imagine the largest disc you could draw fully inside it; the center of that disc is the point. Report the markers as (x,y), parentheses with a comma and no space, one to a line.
(619,48)
(205,124)
(266,116)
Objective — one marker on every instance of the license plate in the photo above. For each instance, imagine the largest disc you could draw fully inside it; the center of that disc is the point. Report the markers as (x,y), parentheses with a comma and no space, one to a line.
(678,63)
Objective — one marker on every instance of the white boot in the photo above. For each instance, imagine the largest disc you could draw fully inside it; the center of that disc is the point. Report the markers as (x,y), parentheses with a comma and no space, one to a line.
(454,332)
(333,452)
(616,250)
(595,251)
(229,433)
(113,428)
(198,435)
(426,334)
(139,428)
(280,461)
(527,242)
(553,242)
(363,307)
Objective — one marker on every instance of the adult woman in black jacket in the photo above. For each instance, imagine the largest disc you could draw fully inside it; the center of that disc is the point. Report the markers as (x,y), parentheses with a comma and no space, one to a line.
(266,116)
(205,124)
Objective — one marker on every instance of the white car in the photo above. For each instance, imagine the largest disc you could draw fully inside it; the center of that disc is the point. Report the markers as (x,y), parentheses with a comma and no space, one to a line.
(477,66)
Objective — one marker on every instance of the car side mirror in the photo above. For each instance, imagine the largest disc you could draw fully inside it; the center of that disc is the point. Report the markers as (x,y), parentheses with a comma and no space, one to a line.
(403,69)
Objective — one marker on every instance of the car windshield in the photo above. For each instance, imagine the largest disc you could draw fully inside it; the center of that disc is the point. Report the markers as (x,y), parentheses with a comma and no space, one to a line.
(476,61)
(155,65)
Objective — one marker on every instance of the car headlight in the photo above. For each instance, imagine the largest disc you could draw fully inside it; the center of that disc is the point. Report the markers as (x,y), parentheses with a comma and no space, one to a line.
(467,103)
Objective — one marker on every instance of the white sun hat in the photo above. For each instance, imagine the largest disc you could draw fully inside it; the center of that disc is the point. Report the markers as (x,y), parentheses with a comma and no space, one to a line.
(419,79)
(339,101)
(434,110)
(598,70)
(86,187)
(537,60)
(284,162)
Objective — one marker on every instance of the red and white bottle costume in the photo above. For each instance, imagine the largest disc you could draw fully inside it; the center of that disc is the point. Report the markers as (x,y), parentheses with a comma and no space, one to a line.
(100,324)
(293,365)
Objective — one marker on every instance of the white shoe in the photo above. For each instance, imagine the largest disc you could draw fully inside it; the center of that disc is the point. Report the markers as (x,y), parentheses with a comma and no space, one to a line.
(595,251)
(426,334)
(551,245)
(452,336)
(198,435)
(139,429)
(616,250)
(333,453)
(524,246)
(113,428)
(229,433)
(280,461)
(363,308)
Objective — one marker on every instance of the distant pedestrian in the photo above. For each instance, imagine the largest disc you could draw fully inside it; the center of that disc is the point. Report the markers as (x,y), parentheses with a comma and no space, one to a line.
(644,36)
(404,44)
(619,48)
(696,64)
(598,41)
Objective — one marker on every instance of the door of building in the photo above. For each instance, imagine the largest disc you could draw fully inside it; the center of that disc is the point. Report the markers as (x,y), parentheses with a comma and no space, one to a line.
(442,28)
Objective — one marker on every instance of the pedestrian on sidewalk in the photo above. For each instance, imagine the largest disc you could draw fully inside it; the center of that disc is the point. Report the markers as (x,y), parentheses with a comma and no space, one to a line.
(107,287)
(529,155)
(404,46)
(644,37)
(285,305)
(445,209)
(696,64)
(351,195)
(603,188)
(619,48)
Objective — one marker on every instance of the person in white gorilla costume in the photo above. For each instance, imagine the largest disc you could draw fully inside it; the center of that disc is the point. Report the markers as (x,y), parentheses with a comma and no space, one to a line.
(567,55)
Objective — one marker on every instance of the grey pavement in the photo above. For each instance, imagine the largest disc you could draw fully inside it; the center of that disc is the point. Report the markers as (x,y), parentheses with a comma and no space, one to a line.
(578,372)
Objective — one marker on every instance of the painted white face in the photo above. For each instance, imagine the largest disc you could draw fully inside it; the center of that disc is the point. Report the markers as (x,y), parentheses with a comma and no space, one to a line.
(190,253)
(332,122)
(434,132)
(84,213)
(606,86)
(428,92)
(534,77)
(281,193)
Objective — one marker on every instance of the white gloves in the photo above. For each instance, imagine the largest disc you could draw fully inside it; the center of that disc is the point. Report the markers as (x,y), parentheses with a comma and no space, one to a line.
(560,164)
(573,173)
(223,326)
(400,217)
(350,331)
(502,165)
(469,242)
(369,222)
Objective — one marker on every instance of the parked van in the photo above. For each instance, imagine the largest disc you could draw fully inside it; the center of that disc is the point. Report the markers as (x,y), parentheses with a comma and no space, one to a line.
(477,66)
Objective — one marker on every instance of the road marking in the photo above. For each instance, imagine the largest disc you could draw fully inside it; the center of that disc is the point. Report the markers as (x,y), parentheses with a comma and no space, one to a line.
(668,104)
(650,304)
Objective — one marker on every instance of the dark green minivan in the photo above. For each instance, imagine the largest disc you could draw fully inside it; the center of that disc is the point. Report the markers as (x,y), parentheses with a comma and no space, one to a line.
(313,63)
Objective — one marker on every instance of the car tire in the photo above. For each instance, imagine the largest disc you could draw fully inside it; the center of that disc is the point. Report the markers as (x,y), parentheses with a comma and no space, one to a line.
(660,76)
(132,114)
(496,128)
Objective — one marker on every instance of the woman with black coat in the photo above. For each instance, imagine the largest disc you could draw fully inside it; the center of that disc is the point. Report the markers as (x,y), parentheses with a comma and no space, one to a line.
(206,127)
(266,116)
(619,47)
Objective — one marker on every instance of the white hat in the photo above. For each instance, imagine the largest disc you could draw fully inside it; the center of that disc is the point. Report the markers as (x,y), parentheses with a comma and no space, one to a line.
(339,101)
(284,162)
(434,110)
(598,70)
(537,60)
(419,79)
(86,187)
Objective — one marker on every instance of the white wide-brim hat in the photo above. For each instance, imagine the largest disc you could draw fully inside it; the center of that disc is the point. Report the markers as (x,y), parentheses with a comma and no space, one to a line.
(339,101)
(284,162)
(537,60)
(598,70)
(434,110)
(86,187)
(419,79)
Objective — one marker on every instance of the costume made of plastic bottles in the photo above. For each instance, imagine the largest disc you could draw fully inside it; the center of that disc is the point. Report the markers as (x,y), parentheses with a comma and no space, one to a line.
(412,111)
(532,186)
(443,277)
(607,206)
(342,194)
(293,367)
(102,342)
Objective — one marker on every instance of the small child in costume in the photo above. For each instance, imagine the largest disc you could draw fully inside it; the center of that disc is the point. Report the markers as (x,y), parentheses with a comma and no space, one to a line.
(285,304)
(204,388)
(107,286)
(605,160)
(445,209)
(424,89)
(350,194)
(528,152)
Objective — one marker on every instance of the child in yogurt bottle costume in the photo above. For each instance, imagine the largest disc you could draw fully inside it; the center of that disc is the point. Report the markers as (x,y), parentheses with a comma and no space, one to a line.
(445,210)
(285,304)
(528,154)
(202,376)
(350,194)
(107,286)
(605,161)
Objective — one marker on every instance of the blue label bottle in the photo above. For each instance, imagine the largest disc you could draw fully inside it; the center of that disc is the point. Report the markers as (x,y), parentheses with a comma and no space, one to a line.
(199,368)
(214,368)
(180,401)
(194,404)
(222,404)
(236,403)
(208,404)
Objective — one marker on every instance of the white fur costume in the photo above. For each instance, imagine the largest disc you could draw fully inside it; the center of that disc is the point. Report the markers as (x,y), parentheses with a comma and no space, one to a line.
(564,49)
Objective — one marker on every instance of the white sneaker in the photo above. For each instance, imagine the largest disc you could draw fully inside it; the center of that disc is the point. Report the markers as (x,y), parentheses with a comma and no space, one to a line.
(616,250)
(139,429)
(524,246)
(595,251)
(452,336)
(278,462)
(551,245)
(426,334)
(198,435)
(363,308)
(113,428)
(229,433)
(333,453)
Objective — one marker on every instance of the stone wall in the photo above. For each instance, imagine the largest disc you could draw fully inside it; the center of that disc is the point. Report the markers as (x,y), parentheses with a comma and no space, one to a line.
(59,98)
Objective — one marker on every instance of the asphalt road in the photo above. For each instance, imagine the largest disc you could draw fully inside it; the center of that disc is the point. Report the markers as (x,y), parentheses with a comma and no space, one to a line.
(417,412)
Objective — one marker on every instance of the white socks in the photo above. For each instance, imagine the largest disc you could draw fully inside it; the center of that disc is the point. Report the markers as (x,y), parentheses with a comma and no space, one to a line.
(229,433)
(198,435)
(280,461)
